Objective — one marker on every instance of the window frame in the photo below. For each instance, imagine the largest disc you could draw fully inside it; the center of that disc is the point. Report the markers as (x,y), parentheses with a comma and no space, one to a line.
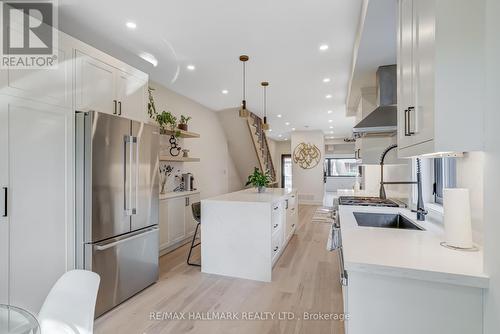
(328,169)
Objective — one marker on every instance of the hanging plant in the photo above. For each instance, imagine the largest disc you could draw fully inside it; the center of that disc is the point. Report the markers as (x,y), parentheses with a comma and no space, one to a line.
(166,120)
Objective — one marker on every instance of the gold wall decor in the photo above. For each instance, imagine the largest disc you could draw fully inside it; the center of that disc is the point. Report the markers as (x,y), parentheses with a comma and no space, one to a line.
(306,155)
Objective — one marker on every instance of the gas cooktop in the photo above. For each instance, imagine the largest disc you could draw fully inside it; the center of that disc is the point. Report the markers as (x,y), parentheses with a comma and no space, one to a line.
(366,201)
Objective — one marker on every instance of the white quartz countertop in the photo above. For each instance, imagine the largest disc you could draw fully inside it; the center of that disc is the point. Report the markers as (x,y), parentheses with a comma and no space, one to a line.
(407,253)
(174,194)
(251,195)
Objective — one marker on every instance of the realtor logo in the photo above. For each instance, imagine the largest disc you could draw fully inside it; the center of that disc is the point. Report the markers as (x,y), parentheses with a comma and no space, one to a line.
(29,37)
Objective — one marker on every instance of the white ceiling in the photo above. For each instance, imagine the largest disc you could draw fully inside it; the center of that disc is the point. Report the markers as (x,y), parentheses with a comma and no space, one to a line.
(377,46)
(282,38)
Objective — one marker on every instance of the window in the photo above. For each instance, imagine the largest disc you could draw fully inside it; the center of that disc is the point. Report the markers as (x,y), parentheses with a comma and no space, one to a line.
(445,176)
(341,167)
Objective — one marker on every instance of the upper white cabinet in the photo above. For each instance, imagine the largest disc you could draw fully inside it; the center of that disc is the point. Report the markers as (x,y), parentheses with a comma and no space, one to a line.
(440,71)
(106,85)
(52,86)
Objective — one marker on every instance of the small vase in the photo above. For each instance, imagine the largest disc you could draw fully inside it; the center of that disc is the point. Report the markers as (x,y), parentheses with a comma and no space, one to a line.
(183,127)
(261,189)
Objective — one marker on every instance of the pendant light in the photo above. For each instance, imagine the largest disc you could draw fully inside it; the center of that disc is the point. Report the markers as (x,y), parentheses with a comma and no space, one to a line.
(243,110)
(265,125)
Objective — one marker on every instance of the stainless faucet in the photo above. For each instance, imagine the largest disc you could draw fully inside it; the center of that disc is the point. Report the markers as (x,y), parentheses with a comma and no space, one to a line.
(420,202)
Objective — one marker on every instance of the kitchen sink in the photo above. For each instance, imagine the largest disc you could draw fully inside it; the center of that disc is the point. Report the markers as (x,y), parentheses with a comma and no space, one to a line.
(386,220)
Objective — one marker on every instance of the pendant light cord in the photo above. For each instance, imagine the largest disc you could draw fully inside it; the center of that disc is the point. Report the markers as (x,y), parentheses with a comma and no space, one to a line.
(265,101)
(244,81)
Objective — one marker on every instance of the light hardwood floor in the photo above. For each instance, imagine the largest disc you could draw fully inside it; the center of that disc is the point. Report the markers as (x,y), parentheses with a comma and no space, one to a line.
(305,279)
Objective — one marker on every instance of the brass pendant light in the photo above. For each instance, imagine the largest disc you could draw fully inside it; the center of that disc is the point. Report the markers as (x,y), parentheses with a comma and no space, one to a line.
(265,125)
(244,113)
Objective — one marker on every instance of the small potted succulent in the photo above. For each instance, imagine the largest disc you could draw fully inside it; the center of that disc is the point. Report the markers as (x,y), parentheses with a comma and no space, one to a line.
(259,180)
(183,124)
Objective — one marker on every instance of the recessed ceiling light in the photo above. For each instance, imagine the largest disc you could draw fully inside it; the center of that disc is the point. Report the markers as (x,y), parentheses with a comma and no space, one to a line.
(329,111)
(270,130)
(331,132)
(131,25)
(287,123)
(331,127)
(279,115)
(323,47)
(280,136)
(328,96)
(149,58)
(293,129)
(330,120)
(325,80)
(191,67)
(225,91)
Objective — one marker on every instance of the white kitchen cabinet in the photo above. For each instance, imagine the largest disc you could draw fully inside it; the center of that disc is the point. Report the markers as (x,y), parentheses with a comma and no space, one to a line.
(440,76)
(52,86)
(36,171)
(95,85)
(291,219)
(177,223)
(106,85)
(175,219)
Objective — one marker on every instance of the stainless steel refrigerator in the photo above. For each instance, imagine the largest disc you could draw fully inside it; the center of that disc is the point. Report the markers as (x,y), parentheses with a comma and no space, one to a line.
(117,204)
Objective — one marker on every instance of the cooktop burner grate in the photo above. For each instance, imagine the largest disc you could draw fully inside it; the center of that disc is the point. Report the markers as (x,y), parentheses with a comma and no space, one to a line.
(366,201)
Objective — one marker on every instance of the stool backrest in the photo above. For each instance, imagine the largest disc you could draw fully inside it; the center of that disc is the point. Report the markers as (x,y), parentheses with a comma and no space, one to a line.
(196,208)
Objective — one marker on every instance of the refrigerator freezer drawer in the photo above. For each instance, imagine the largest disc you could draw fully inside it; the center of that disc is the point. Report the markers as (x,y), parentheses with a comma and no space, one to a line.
(126,264)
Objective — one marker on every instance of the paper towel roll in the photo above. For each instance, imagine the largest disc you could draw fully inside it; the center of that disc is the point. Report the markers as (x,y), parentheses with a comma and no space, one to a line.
(457,219)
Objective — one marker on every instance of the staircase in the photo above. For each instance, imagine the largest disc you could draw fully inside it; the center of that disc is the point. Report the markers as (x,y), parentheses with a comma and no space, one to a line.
(247,144)
(261,146)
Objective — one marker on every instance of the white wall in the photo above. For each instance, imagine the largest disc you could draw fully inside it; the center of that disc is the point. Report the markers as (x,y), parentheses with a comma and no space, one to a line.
(492,167)
(371,179)
(215,174)
(309,182)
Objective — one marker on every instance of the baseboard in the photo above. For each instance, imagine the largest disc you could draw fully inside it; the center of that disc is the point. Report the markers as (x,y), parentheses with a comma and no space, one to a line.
(305,202)
(178,244)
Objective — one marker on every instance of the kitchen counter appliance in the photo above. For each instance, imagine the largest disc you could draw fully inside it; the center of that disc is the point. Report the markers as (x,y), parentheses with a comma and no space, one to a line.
(117,199)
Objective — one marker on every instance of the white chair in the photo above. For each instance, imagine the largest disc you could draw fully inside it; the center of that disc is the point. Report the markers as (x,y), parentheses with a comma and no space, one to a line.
(70,304)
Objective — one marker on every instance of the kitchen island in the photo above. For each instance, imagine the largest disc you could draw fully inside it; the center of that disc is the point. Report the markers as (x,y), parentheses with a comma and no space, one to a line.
(245,232)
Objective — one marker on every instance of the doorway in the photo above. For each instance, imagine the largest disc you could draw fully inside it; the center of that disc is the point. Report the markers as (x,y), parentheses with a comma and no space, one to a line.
(286,171)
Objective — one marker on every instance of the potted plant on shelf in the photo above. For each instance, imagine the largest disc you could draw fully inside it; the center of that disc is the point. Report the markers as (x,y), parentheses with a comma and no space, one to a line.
(259,180)
(183,124)
(166,120)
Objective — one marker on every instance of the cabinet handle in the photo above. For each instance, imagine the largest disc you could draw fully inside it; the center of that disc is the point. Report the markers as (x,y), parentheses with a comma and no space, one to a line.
(276,208)
(359,153)
(6,202)
(406,123)
(286,204)
(119,108)
(187,201)
(275,249)
(410,133)
(114,107)
(276,225)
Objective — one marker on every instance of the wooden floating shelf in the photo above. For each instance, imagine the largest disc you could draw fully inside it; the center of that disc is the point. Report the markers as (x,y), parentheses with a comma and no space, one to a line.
(178,159)
(183,134)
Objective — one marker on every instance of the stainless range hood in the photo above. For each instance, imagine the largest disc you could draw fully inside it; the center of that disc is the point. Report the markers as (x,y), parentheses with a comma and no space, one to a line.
(384,118)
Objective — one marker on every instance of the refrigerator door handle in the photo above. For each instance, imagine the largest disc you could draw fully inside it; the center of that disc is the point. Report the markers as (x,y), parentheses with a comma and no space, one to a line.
(128,152)
(120,241)
(136,174)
